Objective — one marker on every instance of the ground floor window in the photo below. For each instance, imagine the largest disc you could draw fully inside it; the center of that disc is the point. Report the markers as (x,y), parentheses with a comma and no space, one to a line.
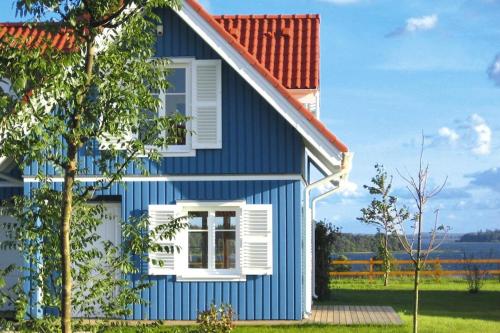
(212,239)
(223,241)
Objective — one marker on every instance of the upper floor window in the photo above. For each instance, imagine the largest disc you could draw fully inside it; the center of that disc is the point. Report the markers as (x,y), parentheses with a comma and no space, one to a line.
(195,92)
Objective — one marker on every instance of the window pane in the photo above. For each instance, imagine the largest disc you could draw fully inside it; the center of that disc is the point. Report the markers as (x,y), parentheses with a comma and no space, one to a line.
(225,249)
(177,79)
(225,220)
(198,220)
(198,249)
(175,104)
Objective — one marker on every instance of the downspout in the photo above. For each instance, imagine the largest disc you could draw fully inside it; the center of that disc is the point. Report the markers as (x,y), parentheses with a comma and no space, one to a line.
(308,225)
(313,209)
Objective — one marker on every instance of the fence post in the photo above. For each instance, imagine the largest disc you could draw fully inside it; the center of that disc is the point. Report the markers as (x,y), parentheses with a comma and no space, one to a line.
(371,269)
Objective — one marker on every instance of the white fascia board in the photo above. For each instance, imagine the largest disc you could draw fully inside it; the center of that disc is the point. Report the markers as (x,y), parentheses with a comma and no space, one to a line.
(259,83)
(178,178)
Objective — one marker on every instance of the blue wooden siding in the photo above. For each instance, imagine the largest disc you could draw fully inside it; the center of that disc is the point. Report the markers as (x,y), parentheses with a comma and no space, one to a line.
(260,297)
(255,138)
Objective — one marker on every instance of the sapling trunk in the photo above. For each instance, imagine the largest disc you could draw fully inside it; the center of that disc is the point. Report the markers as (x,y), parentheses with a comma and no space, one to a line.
(387,264)
(418,266)
(416,298)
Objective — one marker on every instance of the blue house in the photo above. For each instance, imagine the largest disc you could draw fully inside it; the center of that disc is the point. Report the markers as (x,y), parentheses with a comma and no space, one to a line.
(251,86)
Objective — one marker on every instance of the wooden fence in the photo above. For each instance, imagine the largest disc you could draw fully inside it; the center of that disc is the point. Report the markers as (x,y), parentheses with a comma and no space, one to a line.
(435,270)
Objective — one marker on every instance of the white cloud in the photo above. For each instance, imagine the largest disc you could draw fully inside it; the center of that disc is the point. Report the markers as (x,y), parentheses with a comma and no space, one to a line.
(421,23)
(494,70)
(350,189)
(473,134)
(483,132)
(449,134)
(342,2)
(414,24)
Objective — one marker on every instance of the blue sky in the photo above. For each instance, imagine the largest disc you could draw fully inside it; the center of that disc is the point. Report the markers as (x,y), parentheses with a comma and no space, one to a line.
(392,69)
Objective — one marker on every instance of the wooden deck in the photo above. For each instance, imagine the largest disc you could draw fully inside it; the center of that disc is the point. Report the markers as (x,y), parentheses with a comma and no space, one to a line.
(354,315)
(321,314)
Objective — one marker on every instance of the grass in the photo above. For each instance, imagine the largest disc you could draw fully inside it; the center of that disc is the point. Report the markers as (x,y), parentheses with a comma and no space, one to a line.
(446,306)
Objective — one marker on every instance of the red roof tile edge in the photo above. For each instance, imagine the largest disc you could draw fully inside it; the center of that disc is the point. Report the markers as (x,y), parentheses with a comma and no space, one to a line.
(264,72)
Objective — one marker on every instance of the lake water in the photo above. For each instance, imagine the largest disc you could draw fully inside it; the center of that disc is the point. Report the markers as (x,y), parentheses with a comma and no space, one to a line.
(448,250)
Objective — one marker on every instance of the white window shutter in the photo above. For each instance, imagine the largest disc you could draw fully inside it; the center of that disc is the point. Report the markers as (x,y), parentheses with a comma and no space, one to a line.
(158,215)
(207,105)
(256,240)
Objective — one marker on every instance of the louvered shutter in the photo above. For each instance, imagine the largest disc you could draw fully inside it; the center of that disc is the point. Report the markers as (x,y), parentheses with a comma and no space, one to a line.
(207,105)
(158,215)
(256,240)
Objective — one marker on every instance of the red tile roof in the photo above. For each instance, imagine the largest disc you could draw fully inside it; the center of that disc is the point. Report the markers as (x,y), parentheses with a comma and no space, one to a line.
(269,76)
(286,45)
(37,35)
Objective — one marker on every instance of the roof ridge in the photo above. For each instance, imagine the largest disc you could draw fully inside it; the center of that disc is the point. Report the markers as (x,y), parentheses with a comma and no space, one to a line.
(266,16)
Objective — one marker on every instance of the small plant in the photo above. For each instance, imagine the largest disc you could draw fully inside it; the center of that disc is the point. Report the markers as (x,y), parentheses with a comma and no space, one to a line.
(216,319)
(474,275)
(438,271)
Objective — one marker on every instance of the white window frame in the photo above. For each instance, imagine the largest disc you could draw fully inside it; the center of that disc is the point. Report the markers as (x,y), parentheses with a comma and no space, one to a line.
(187,149)
(211,273)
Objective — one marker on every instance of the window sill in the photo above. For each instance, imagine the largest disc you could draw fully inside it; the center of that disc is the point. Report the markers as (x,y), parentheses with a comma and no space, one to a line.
(208,277)
(182,151)
(185,153)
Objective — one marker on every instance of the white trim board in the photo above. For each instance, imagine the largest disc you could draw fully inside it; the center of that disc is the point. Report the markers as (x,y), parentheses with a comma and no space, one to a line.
(179,178)
(7,185)
(314,139)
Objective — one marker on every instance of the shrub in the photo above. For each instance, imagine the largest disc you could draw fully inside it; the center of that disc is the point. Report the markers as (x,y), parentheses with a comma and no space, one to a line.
(326,235)
(474,275)
(342,267)
(216,319)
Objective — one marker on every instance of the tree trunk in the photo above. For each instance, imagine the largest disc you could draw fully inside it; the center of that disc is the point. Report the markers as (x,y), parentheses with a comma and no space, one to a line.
(418,266)
(416,291)
(65,227)
(67,204)
(387,264)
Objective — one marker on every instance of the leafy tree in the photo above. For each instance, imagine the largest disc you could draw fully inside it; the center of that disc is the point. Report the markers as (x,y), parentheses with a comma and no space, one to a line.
(364,243)
(62,104)
(421,194)
(382,213)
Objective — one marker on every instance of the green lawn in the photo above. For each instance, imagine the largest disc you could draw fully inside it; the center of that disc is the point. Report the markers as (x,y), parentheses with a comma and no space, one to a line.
(446,306)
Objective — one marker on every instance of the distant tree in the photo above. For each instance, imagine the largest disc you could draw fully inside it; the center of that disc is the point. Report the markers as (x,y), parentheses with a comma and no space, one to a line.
(383,213)
(418,188)
(481,236)
(326,235)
